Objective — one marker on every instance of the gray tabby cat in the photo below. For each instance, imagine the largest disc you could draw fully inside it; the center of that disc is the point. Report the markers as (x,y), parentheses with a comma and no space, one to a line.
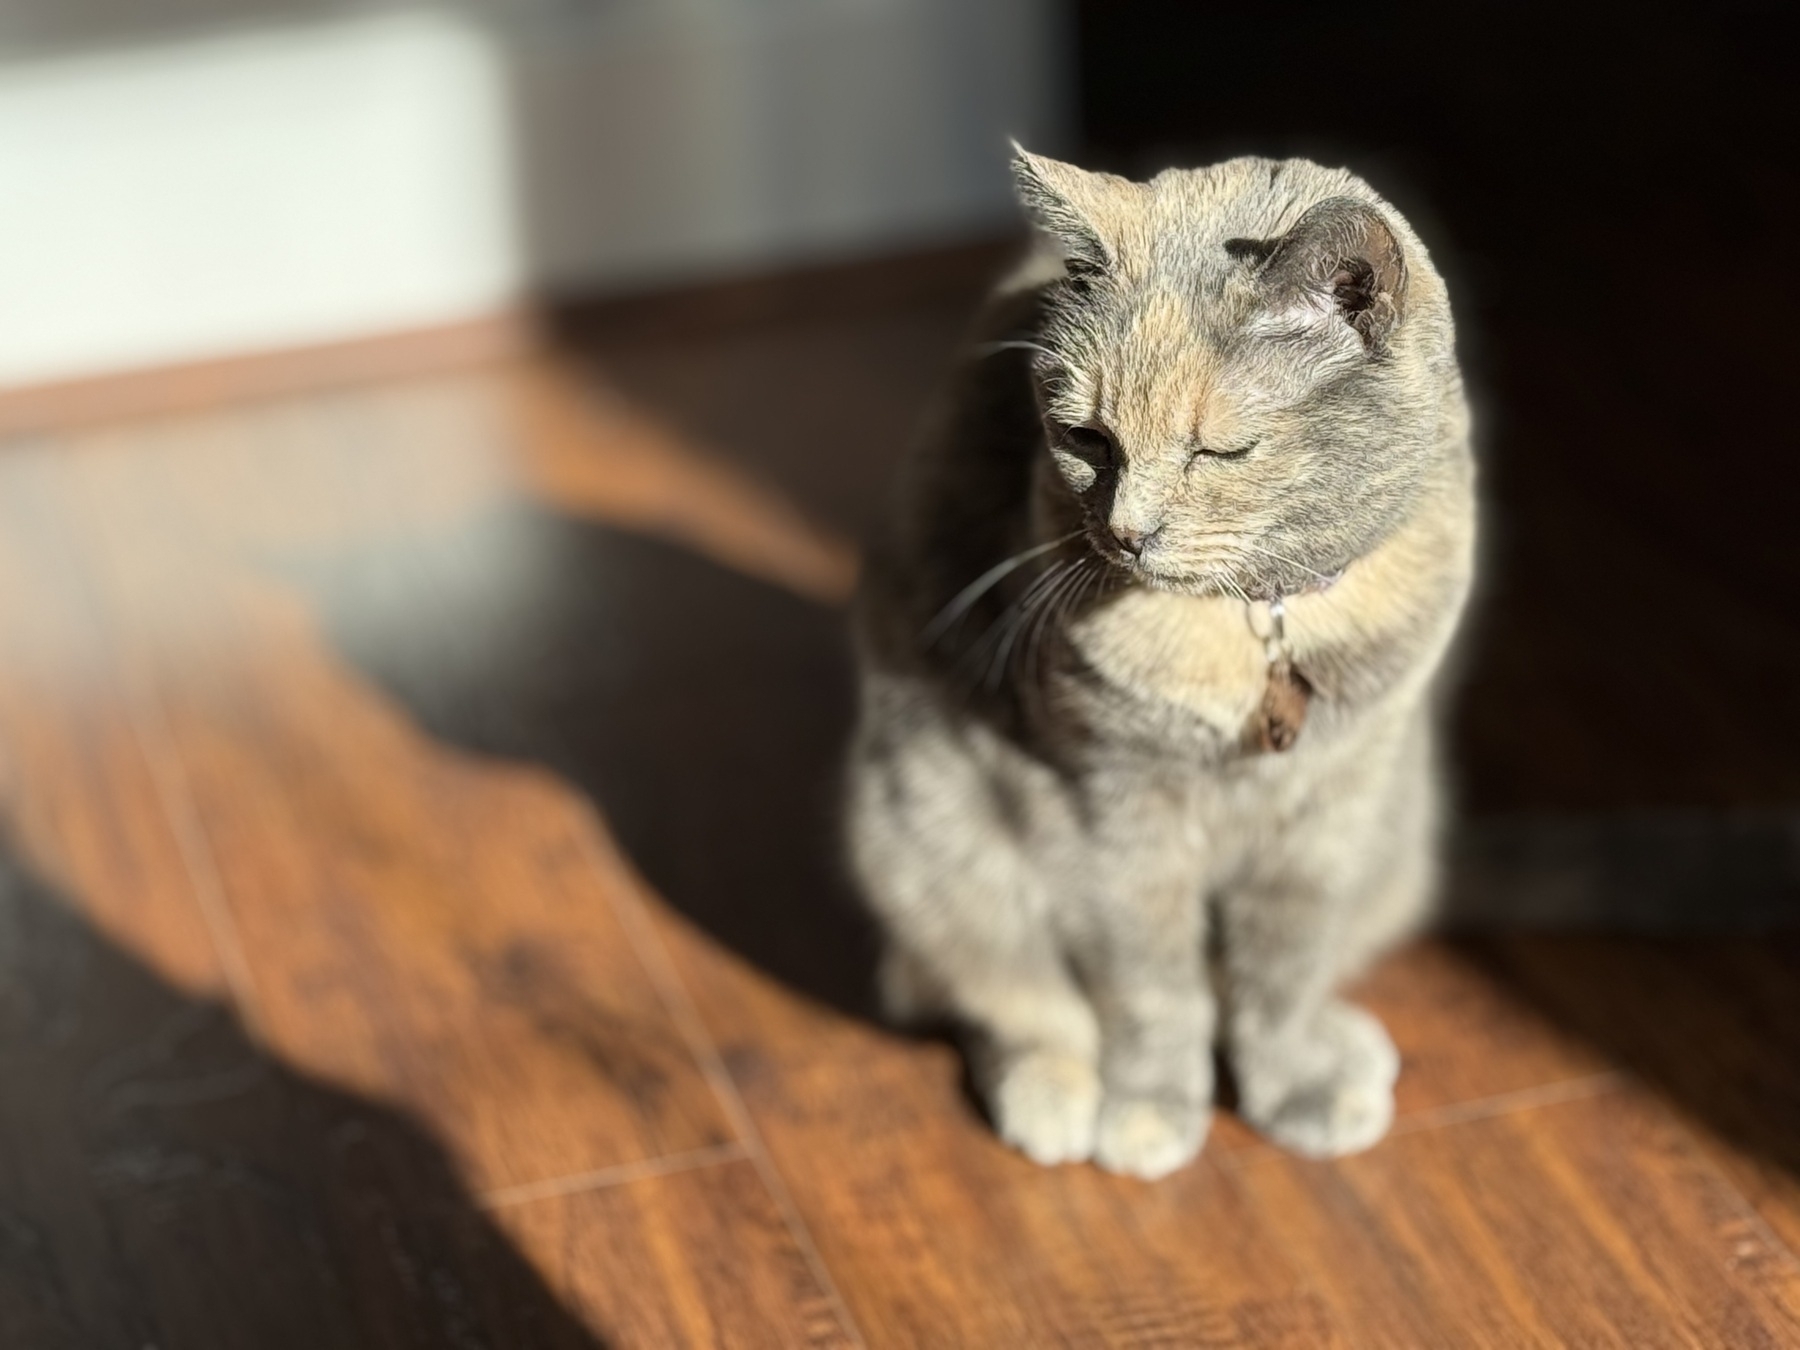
(1145,755)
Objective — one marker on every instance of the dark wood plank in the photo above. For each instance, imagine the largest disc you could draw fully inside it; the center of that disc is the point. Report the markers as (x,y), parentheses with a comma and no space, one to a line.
(1712,1024)
(419,926)
(696,1258)
(1596,1222)
(940,1236)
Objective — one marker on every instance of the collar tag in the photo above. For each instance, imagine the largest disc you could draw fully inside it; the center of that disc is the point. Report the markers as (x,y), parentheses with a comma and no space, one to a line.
(1286,695)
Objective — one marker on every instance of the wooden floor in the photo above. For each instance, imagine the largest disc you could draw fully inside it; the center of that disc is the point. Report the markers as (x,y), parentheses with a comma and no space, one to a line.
(417,926)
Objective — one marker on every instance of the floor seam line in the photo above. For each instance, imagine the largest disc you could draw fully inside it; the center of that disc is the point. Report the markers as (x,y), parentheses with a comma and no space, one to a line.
(678,1002)
(1505,1103)
(604,1178)
(195,842)
(155,742)
(1461,1113)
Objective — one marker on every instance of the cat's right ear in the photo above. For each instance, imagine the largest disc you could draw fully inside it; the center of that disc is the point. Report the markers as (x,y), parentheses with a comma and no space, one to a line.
(1340,257)
(1074,208)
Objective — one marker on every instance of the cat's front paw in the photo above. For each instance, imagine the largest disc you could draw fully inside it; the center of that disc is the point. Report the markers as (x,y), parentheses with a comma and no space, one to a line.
(1045,1106)
(1325,1093)
(1149,1137)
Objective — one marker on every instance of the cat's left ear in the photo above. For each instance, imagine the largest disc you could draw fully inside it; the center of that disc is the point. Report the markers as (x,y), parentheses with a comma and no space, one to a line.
(1342,258)
(1081,211)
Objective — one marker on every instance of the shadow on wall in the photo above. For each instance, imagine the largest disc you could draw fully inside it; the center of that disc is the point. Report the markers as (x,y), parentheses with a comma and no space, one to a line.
(656,144)
(165,1183)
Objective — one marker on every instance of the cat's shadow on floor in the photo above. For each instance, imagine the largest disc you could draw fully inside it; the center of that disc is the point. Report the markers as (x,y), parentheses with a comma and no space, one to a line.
(704,711)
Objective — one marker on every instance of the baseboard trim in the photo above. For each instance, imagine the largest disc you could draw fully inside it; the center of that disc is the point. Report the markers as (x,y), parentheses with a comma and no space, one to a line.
(197,386)
(662,314)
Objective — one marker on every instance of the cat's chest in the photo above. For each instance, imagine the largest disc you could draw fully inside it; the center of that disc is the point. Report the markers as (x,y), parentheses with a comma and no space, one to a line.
(1177,654)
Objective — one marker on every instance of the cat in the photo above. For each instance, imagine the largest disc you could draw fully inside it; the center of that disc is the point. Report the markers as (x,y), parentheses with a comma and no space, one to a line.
(1148,658)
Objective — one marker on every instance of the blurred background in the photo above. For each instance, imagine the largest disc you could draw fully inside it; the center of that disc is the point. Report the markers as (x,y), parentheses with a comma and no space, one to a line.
(206,177)
(203,180)
(435,441)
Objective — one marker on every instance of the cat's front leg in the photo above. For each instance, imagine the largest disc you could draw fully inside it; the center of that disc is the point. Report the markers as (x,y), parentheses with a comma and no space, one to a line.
(1139,953)
(1314,1073)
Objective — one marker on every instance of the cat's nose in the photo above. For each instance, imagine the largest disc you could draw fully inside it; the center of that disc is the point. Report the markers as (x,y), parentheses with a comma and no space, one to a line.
(1132,541)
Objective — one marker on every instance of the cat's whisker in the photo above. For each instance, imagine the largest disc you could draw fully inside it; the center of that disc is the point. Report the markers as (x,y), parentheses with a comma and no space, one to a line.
(1034,623)
(1028,662)
(1034,596)
(1282,557)
(1053,612)
(1051,615)
(1225,580)
(964,599)
(1099,581)
(983,656)
(988,640)
(1013,345)
(1094,579)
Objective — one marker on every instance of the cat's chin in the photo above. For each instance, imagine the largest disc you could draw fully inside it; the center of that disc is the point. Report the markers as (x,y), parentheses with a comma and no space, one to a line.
(1201,586)
(1216,584)
(1206,585)
(1176,583)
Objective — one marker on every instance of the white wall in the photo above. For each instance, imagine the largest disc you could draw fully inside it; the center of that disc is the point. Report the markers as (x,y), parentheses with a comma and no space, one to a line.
(215,193)
(240,193)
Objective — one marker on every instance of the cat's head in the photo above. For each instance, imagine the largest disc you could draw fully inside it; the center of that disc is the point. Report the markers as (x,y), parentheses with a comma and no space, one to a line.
(1241,368)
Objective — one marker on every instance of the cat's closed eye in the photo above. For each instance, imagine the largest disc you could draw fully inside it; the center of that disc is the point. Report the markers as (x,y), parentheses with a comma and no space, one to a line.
(1201,452)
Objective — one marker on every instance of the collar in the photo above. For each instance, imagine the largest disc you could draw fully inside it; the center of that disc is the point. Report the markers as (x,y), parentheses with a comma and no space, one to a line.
(1273,632)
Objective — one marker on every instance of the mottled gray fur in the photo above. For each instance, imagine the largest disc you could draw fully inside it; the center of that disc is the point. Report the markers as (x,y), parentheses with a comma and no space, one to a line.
(1199,394)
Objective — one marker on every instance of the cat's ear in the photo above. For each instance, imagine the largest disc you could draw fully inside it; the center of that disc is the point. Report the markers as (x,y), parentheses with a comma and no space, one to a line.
(1340,258)
(1077,209)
